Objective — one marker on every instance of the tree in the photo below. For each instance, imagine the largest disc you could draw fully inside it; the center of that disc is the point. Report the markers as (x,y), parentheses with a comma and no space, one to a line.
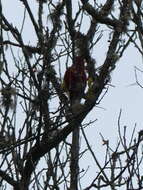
(36,115)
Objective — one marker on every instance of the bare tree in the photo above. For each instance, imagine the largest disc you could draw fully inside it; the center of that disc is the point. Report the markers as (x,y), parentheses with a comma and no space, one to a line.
(39,109)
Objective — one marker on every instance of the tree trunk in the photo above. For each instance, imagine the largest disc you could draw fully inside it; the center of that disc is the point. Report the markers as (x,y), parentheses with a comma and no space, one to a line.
(74,160)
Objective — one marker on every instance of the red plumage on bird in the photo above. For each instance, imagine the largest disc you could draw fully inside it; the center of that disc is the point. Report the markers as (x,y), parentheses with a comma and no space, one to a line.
(75,80)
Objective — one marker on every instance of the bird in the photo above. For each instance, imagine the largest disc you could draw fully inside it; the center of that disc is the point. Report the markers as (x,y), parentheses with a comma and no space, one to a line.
(75,80)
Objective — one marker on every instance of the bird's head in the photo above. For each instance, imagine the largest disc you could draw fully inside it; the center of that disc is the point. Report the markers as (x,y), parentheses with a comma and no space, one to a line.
(79,63)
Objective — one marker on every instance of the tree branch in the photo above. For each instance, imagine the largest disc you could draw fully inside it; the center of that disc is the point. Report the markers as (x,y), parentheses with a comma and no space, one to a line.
(101,18)
(7,178)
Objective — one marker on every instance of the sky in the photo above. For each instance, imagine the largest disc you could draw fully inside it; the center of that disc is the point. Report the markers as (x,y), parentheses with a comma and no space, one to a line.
(125,95)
